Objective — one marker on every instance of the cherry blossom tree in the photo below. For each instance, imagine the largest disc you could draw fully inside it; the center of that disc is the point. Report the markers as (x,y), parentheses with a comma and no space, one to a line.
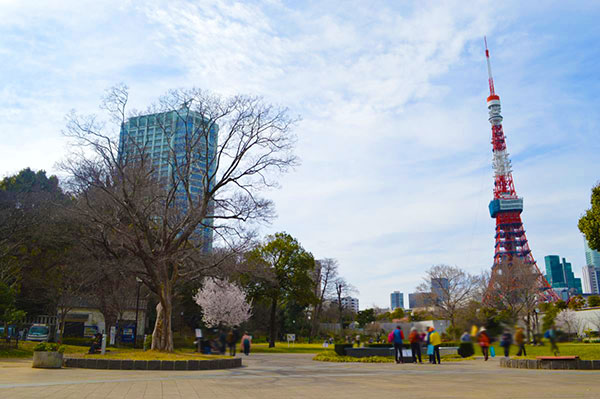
(223,303)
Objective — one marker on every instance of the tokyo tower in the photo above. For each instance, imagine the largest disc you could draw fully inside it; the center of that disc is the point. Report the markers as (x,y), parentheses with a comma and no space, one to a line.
(506,207)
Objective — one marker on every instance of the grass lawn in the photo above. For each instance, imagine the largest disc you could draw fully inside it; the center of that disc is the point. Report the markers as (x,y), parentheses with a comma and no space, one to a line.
(331,356)
(584,351)
(25,351)
(282,347)
(138,354)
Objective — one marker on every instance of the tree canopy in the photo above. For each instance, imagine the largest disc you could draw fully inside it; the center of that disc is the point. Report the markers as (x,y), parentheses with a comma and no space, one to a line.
(281,273)
(589,223)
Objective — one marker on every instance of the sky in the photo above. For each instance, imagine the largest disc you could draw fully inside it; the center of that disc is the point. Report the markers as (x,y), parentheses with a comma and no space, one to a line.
(394,140)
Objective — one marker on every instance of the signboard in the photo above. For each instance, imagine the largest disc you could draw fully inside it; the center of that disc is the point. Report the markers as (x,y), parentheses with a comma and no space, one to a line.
(198,333)
(113,334)
(291,338)
(128,333)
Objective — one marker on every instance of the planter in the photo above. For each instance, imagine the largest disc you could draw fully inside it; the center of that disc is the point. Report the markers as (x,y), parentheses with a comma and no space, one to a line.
(47,360)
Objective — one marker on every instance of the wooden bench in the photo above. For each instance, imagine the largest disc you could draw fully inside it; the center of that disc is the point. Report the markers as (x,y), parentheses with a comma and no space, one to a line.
(557,357)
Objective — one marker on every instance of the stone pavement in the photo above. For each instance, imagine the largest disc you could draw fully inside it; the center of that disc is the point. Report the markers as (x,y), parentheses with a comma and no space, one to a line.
(297,376)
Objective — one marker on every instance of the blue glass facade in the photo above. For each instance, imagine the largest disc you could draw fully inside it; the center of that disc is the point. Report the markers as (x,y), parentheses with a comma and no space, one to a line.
(560,274)
(592,257)
(396,300)
(181,147)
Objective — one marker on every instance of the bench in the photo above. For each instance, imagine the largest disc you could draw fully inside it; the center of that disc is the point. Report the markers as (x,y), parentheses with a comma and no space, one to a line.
(557,357)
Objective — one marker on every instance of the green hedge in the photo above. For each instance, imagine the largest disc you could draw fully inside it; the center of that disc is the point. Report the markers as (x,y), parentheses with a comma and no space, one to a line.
(449,343)
(49,347)
(77,341)
(340,349)
(379,345)
(466,349)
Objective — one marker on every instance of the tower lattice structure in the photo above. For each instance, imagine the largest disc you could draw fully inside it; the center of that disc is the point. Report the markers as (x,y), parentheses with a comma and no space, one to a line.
(506,207)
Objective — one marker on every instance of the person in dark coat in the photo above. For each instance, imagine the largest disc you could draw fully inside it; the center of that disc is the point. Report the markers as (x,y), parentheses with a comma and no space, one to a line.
(506,342)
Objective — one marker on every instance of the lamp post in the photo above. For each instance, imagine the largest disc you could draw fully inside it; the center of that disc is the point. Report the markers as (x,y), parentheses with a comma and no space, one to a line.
(137,307)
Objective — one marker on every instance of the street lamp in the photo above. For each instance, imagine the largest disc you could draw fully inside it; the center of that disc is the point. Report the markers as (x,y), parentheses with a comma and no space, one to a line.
(137,307)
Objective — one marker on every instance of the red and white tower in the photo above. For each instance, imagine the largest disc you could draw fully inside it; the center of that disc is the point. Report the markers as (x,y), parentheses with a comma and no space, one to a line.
(506,207)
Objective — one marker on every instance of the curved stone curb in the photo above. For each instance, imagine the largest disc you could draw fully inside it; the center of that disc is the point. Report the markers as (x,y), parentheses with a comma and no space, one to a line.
(577,364)
(176,365)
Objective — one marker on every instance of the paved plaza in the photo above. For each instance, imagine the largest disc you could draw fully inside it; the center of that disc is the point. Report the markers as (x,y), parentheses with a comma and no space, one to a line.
(297,376)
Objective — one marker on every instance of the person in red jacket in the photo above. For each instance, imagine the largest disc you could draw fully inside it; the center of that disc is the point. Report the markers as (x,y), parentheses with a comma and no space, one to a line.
(415,344)
(484,341)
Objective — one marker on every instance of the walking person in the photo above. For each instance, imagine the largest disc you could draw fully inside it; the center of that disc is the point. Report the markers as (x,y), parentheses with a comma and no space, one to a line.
(222,342)
(551,335)
(465,337)
(415,344)
(398,337)
(436,341)
(246,342)
(231,341)
(429,346)
(520,342)
(484,342)
(506,342)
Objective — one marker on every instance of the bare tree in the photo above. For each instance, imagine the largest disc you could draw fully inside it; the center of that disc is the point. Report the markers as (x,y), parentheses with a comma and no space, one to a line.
(515,290)
(568,321)
(326,274)
(343,289)
(449,289)
(158,218)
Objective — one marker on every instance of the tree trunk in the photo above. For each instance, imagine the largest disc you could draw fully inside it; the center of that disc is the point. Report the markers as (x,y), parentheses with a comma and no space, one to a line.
(162,336)
(272,326)
(63,321)
(315,322)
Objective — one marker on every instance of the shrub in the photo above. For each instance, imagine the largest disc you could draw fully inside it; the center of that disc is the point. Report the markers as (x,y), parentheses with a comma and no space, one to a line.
(449,343)
(182,341)
(77,341)
(380,345)
(329,356)
(340,349)
(49,347)
(148,342)
(466,349)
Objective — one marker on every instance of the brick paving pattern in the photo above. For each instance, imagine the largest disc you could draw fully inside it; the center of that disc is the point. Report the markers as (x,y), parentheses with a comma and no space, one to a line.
(297,376)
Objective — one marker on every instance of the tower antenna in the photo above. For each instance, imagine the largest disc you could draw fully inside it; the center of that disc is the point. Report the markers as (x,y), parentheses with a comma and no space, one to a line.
(489,66)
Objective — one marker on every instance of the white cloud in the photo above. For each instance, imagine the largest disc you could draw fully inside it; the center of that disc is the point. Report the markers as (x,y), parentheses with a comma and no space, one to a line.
(394,135)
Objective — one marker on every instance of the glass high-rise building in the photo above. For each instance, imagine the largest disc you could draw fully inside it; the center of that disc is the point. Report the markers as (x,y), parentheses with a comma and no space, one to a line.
(591,279)
(181,147)
(396,300)
(592,257)
(560,274)
(591,271)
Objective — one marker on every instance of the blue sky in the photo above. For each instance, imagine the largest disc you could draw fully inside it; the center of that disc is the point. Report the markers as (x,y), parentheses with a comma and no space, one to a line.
(394,139)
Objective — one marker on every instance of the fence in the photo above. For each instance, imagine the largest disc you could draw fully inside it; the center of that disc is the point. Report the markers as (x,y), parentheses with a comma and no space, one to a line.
(8,343)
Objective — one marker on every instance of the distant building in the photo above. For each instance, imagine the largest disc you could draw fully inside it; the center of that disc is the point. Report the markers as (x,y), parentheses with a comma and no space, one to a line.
(396,300)
(163,137)
(350,303)
(84,318)
(439,288)
(419,300)
(592,257)
(591,279)
(560,276)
